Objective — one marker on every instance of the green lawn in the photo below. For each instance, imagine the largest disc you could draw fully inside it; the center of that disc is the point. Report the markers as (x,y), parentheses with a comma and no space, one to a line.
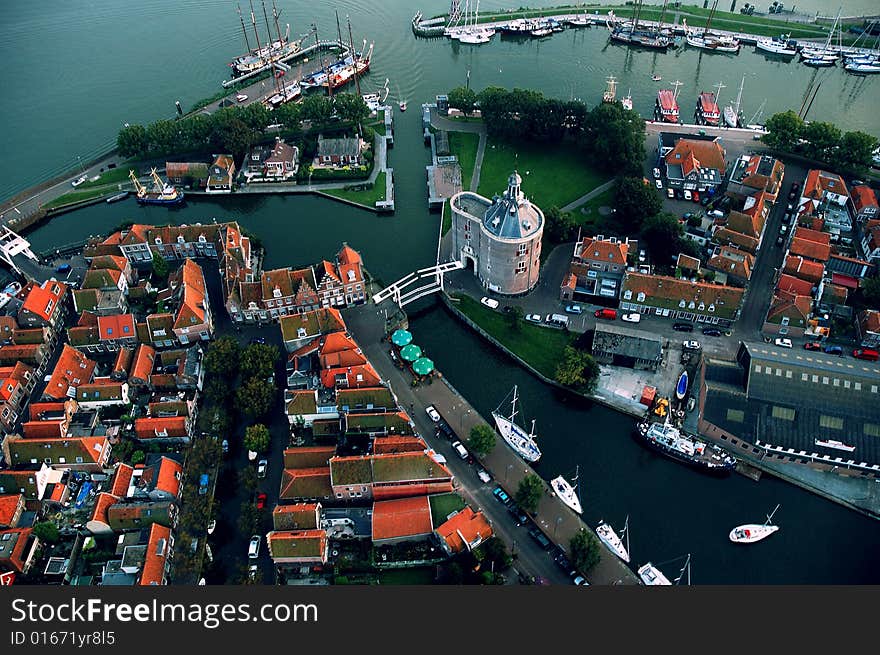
(540,347)
(553,175)
(378,125)
(447,219)
(114,176)
(442,505)
(77,196)
(367,198)
(464,146)
(588,217)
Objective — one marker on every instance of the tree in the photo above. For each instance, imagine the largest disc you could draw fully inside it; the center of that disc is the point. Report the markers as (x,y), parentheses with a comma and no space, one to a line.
(132,141)
(463,99)
(160,269)
(289,114)
(482,439)
(585,550)
(529,493)
(233,135)
(783,130)
(255,397)
(663,236)
(257,438)
(635,201)
(494,551)
(137,457)
(222,357)
(823,140)
(258,360)
(578,370)
(616,137)
(46,531)
(350,107)
(514,318)
(316,108)
(856,152)
(560,225)
(871,292)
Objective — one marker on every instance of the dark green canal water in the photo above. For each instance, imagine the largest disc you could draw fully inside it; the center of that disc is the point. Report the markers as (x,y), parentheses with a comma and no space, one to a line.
(110,62)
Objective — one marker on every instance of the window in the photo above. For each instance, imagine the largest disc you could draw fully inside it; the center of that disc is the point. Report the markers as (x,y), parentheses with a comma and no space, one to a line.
(857,386)
(836,382)
(815,378)
(641,296)
(711,308)
(682,304)
(846,384)
(872,429)
(757,368)
(833,422)
(779,372)
(784,413)
(788,374)
(628,294)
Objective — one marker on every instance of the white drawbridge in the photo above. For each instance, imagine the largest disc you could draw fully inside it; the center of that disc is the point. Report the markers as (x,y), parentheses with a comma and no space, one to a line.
(12,245)
(433,275)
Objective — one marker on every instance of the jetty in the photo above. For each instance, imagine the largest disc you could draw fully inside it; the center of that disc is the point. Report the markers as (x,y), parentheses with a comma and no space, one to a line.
(333,45)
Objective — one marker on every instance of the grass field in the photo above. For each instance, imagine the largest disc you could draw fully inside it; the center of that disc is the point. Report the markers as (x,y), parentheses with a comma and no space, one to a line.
(367,198)
(77,196)
(442,505)
(464,146)
(553,175)
(110,177)
(447,219)
(588,217)
(540,347)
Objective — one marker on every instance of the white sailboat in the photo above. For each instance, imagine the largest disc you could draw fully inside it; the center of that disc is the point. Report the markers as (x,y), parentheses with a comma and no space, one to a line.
(609,537)
(731,112)
(627,101)
(752,532)
(824,56)
(653,576)
(568,491)
(516,437)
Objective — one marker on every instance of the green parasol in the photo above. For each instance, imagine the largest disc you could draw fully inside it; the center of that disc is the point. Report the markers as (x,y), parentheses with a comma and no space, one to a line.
(423,366)
(400,338)
(411,352)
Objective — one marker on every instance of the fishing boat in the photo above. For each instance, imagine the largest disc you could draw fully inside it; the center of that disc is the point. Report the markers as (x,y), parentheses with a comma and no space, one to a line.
(262,56)
(360,64)
(732,112)
(627,101)
(668,440)
(568,491)
(609,537)
(782,46)
(682,386)
(667,104)
(522,442)
(652,576)
(707,111)
(753,532)
(611,90)
(161,193)
(122,195)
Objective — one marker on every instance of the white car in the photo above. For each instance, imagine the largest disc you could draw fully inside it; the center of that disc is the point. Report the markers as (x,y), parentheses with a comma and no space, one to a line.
(435,416)
(212,526)
(659,184)
(670,193)
(254,547)
(533,318)
(262,466)
(691,345)
(687,195)
(783,343)
(489,302)
(78,181)
(241,97)
(635,317)
(656,173)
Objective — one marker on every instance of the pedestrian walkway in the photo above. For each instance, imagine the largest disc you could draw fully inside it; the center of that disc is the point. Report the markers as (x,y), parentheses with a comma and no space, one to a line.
(602,188)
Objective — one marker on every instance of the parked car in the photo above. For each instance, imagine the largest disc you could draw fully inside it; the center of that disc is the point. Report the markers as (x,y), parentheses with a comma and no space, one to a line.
(705,200)
(780,240)
(261,500)
(533,318)
(536,534)
(241,97)
(606,313)
(670,193)
(783,230)
(519,516)
(833,350)
(580,580)
(225,446)
(444,428)
(254,547)
(782,343)
(262,467)
(574,309)
(460,449)
(796,186)
(501,495)
(633,317)
(683,327)
(696,196)
(711,332)
(812,345)
(432,413)
(212,525)
(78,181)
(659,184)
(258,340)
(786,219)
(868,354)
(656,173)
(203,484)
(489,302)
(484,475)
(688,195)
(642,256)
(64,268)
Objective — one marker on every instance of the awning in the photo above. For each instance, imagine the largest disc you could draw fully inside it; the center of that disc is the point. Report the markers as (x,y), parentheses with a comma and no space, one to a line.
(411,352)
(400,338)
(423,366)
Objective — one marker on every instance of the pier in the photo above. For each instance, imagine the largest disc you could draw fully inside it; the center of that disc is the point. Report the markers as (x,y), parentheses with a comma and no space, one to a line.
(320,45)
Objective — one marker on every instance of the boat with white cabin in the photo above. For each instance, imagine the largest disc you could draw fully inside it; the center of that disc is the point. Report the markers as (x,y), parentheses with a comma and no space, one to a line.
(750,533)
(609,537)
(568,491)
(652,576)
(522,442)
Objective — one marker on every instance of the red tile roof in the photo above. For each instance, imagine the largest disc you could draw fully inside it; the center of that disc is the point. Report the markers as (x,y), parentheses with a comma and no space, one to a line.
(149,428)
(746,242)
(795,285)
(734,262)
(819,182)
(703,154)
(123,362)
(593,249)
(398,444)
(299,516)
(869,320)
(404,517)
(158,551)
(73,369)
(37,410)
(306,483)
(192,305)
(42,429)
(169,476)
(810,243)
(465,530)
(806,269)
(363,375)
(863,196)
(99,512)
(9,505)
(14,377)
(116,326)
(671,292)
(144,359)
(795,306)
(43,300)
(121,480)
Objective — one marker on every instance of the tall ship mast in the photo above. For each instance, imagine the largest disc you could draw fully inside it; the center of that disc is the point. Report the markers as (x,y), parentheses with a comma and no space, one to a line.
(262,56)
(611,90)
(709,41)
(732,112)
(568,491)
(631,34)
(522,442)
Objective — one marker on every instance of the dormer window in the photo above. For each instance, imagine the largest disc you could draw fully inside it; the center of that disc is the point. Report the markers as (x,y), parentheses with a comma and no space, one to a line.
(711,308)
(202,239)
(628,294)
(681,303)
(301,333)
(641,296)
(692,305)
(702,306)
(180,239)
(276,292)
(158,241)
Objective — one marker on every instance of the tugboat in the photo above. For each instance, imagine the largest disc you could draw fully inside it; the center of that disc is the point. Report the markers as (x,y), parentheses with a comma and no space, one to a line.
(668,440)
(162,193)
(667,104)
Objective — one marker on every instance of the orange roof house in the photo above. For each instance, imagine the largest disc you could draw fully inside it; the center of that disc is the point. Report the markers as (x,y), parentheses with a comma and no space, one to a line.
(794,285)
(173,427)
(810,243)
(806,269)
(72,369)
(42,304)
(11,507)
(464,531)
(299,516)
(121,480)
(144,359)
(158,555)
(194,314)
(298,546)
(735,263)
(306,484)
(401,520)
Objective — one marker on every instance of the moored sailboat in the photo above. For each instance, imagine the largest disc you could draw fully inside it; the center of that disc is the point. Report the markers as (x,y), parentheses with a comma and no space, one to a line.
(752,532)
(610,538)
(568,492)
(522,442)
(732,112)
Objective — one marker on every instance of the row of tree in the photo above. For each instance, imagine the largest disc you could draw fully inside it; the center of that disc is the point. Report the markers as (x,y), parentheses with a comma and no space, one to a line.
(849,152)
(235,129)
(608,133)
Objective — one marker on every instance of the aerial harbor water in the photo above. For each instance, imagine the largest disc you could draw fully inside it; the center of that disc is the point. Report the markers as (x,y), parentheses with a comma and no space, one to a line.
(66,104)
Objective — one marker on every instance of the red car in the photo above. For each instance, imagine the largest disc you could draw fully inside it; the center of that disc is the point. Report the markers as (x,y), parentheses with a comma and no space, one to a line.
(261,500)
(696,196)
(813,345)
